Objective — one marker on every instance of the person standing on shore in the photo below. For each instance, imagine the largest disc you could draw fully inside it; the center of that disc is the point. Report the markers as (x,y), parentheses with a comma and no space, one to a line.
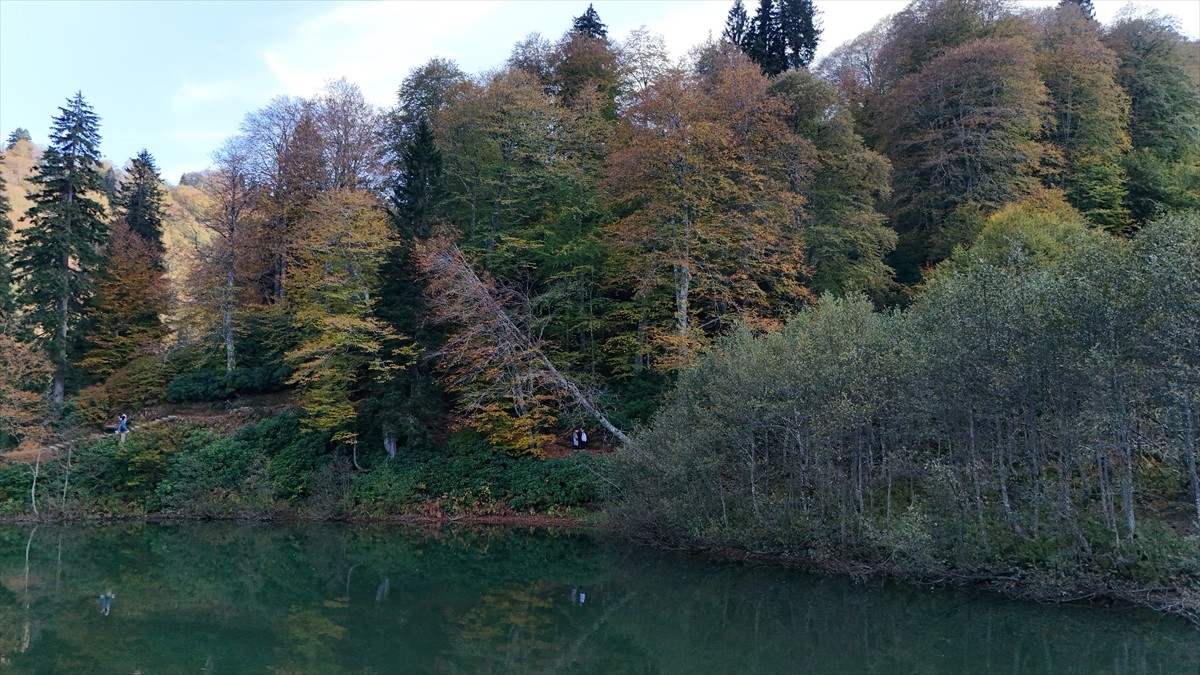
(122,427)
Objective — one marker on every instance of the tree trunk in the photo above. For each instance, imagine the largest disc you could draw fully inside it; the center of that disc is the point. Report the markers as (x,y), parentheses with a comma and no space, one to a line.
(1189,449)
(227,314)
(60,383)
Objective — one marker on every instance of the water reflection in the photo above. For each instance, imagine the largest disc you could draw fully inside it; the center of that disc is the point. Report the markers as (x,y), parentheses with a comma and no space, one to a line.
(223,598)
(106,603)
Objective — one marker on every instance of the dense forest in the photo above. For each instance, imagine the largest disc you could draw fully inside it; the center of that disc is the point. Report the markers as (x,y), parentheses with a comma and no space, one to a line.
(932,301)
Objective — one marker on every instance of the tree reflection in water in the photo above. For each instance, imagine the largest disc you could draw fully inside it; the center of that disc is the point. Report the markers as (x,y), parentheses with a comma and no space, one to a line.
(326,598)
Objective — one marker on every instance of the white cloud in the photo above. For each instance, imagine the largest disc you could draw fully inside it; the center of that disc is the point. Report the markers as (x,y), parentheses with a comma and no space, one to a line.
(374,45)
(190,96)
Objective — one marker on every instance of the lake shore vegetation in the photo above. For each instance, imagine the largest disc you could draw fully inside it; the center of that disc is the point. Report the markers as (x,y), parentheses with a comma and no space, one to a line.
(930,308)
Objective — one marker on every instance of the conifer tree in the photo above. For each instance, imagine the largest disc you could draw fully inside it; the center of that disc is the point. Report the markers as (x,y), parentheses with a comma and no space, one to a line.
(140,201)
(589,24)
(799,31)
(419,183)
(737,24)
(60,251)
(18,134)
(781,36)
(1085,6)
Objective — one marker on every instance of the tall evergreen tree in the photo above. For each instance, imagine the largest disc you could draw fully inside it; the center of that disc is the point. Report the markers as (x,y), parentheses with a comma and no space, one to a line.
(765,44)
(737,24)
(419,183)
(140,200)
(799,30)
(61,249)
(589,24)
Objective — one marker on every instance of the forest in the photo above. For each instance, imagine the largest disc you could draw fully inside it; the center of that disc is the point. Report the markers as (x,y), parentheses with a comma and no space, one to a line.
(931,303)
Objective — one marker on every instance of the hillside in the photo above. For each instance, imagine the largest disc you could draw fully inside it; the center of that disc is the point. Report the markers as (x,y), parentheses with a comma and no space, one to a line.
(184,204)
(17,166)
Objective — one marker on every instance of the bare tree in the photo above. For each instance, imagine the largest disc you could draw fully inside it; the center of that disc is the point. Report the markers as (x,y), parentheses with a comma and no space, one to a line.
(351,130)
(490,343)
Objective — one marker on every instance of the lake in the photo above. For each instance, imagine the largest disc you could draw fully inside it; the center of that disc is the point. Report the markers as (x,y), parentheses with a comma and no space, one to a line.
(323,598)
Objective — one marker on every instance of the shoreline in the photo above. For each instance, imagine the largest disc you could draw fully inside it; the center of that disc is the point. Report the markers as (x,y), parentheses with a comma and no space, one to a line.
(1182,603)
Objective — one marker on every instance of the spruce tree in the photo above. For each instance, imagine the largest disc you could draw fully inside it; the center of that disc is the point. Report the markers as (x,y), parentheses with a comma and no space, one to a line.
(737,24)
(799,30)
(139,201)
(18,134)
(589,24)
(60,250)
(418,184)
(765,44)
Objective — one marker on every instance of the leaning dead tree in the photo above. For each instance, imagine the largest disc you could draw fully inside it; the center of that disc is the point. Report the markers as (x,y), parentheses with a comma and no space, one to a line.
(490,344)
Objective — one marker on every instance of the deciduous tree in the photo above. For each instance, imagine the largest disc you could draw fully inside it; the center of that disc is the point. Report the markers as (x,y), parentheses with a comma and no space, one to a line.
(1164,127)
(6,271)
(132,296)
(1091,113)
(336,280)
(848,239)
(707,177)
(968,127)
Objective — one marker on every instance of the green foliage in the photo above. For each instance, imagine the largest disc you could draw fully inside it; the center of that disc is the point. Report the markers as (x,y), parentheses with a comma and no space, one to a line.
(988,428)
(139,202)
(848,238)
(1164,126)
(211,384)
(967,127)
(590,25)
(471,475)
(16,135)
(61,250)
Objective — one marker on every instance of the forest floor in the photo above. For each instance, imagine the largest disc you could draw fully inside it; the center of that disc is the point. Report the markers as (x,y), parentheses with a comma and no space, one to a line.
(224,416)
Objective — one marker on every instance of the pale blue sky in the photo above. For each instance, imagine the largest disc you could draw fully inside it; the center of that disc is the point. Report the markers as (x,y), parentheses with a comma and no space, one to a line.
(177,77)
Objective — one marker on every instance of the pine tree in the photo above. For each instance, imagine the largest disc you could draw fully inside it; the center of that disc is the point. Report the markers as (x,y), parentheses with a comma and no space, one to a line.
(61,249)
(140,201)
(589,24)
(737,24)
(799,30)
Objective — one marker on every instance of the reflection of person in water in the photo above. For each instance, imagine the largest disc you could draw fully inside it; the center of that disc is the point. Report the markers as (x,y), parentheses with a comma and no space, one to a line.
(106,603)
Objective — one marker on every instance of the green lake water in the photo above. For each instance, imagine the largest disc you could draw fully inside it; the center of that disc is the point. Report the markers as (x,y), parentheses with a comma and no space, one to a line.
(271,598)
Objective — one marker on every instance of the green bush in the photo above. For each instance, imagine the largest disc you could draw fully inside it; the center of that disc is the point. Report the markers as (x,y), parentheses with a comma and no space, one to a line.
(211,384)
(469,472)
(202,384)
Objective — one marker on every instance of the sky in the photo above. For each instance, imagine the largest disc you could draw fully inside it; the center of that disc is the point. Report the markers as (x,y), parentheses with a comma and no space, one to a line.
(177,77)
